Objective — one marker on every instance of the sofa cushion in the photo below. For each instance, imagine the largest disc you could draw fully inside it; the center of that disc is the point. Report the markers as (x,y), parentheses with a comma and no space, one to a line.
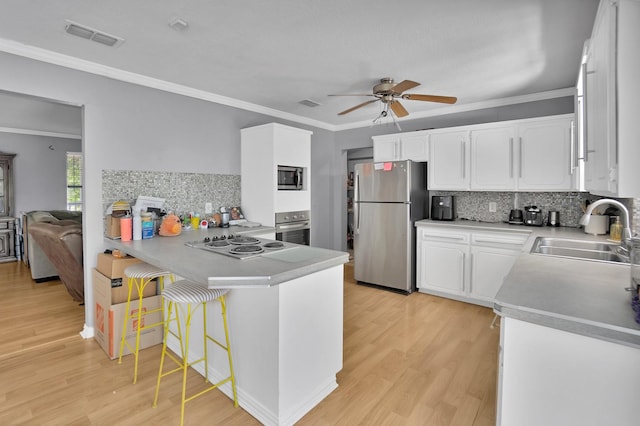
(41,216)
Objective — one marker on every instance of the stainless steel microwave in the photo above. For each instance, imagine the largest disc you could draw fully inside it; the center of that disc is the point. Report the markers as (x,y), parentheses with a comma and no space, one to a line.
(290,178)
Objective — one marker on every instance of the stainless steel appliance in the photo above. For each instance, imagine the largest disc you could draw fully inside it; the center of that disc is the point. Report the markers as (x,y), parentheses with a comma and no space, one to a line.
(239,247)
(290,178)
(532,216)
(443,207)
(388,199)
(294,227)
(554,218)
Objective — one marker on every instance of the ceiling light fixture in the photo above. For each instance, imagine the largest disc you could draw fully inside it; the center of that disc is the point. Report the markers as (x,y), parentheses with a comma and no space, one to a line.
(85,32)
(178,24)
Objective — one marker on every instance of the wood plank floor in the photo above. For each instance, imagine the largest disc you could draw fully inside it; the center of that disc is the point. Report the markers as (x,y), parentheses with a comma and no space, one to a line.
(408,360)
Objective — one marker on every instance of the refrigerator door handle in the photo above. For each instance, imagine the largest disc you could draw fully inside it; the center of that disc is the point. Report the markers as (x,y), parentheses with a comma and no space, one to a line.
(356,201)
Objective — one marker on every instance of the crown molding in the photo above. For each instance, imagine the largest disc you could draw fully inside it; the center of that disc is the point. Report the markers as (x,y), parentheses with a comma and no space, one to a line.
(71,62)
(40,133)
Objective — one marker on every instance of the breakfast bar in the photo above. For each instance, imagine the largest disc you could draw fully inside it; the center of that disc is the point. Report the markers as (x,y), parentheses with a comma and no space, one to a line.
(285,316)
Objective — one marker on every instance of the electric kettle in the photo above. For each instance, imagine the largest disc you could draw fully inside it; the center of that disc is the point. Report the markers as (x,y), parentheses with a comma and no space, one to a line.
(532,216)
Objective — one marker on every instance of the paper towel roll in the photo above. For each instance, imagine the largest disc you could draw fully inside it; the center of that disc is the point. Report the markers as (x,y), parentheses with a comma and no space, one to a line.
(597,225)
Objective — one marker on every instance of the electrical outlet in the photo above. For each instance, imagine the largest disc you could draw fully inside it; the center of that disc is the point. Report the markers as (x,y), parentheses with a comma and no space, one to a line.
(493,207)
(208,208)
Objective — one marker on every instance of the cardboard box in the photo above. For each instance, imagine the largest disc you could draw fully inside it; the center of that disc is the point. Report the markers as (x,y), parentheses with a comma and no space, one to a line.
(109,316)
(111,295)
(113,267)
(111,226)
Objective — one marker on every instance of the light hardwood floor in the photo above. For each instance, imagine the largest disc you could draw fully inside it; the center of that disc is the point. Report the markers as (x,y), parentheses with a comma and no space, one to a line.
(408,360)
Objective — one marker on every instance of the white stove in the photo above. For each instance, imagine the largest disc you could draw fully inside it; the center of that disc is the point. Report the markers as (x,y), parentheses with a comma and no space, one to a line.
(239,247)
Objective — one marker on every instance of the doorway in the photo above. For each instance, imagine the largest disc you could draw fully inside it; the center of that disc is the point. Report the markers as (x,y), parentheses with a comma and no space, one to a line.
(354,156)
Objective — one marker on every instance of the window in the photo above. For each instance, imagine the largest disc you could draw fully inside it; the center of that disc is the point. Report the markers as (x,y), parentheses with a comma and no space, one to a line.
(74,181)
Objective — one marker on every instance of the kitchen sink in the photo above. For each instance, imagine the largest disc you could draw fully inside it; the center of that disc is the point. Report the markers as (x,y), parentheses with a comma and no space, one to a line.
(578,249)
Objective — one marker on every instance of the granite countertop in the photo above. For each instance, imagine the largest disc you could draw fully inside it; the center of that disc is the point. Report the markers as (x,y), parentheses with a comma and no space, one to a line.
(578,296)
(214,270)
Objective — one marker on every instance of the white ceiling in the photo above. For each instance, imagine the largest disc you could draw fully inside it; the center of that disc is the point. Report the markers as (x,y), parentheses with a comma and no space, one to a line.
(269,55)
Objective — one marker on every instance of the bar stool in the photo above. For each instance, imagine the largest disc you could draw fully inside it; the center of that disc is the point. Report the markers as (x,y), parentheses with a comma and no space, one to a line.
(139,275)
(190,293)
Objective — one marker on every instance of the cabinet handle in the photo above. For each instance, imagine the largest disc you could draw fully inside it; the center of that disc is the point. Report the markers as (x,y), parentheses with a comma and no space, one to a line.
(356,208)
(464,153)
(520,157)
(585,118)
(443,238)
(571,148)
(515,243)
(510,157)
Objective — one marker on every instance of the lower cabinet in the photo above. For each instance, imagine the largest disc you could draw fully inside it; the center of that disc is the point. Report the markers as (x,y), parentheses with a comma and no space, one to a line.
(465,265)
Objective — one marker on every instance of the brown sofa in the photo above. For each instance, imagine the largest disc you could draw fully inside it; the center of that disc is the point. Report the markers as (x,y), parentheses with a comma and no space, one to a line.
(61,242)
(33,256)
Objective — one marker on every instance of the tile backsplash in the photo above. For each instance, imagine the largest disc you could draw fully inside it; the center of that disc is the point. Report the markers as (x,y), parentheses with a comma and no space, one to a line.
(475,205)
(183,192)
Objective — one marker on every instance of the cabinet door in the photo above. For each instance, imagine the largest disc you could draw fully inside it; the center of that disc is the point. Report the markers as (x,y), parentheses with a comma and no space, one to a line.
(489,266)
(386,149)
(492,158)
(414,147)
(600,102)
(441,265)
(544,156)
(448,161)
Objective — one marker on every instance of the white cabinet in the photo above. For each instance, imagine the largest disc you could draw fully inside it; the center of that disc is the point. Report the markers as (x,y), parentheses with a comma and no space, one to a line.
(545,155)
(401,146)
(443,256)
(553,377)
(492,256)
(448,160)
(611,93)
(263,148)
(465,265)
(520,155)
(492,158)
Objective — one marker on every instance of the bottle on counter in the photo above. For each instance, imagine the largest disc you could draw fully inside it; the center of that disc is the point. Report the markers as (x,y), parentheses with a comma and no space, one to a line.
(615,231)
(147,225)
(137,225)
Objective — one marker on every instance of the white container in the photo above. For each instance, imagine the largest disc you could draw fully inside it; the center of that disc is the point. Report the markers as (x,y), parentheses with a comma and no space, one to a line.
(137,226)
(598,224)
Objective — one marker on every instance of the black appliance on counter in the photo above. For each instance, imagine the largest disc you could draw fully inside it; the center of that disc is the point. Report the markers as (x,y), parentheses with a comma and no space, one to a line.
(533,216)
(443,207)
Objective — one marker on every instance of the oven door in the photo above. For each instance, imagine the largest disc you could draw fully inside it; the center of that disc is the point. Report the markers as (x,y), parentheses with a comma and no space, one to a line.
(296,232)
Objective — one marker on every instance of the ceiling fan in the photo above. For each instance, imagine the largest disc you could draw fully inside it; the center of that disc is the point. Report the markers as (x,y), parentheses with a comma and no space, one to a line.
(389,92)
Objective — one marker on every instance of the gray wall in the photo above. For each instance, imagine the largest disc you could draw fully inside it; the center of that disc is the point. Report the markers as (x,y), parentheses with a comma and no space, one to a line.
(39,173)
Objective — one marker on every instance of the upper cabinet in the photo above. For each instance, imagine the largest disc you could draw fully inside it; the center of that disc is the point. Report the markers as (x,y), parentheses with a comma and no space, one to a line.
(263,149)
(6,185)
(610,94)
(522,155)
(448,160)
(401,146)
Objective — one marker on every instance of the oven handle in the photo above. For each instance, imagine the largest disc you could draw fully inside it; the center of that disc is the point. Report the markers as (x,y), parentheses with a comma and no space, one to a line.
(300,225)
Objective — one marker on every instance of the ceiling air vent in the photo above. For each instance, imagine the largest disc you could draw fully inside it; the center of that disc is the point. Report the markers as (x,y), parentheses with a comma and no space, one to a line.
(309,103)
(91,34)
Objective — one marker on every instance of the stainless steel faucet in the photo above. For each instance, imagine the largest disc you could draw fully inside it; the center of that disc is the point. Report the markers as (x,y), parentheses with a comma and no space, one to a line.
(626,222)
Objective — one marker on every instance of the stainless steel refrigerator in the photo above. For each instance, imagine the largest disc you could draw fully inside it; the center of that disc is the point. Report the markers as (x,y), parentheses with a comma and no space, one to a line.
(388,198)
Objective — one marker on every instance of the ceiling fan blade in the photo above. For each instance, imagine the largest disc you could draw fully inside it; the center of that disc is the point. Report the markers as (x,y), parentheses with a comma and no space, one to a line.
(398,109)
(353,94)
(357,106)
(404,85)
(431,98)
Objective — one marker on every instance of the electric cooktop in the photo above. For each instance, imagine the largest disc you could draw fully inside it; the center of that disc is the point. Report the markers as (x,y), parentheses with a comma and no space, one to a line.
(239,247)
